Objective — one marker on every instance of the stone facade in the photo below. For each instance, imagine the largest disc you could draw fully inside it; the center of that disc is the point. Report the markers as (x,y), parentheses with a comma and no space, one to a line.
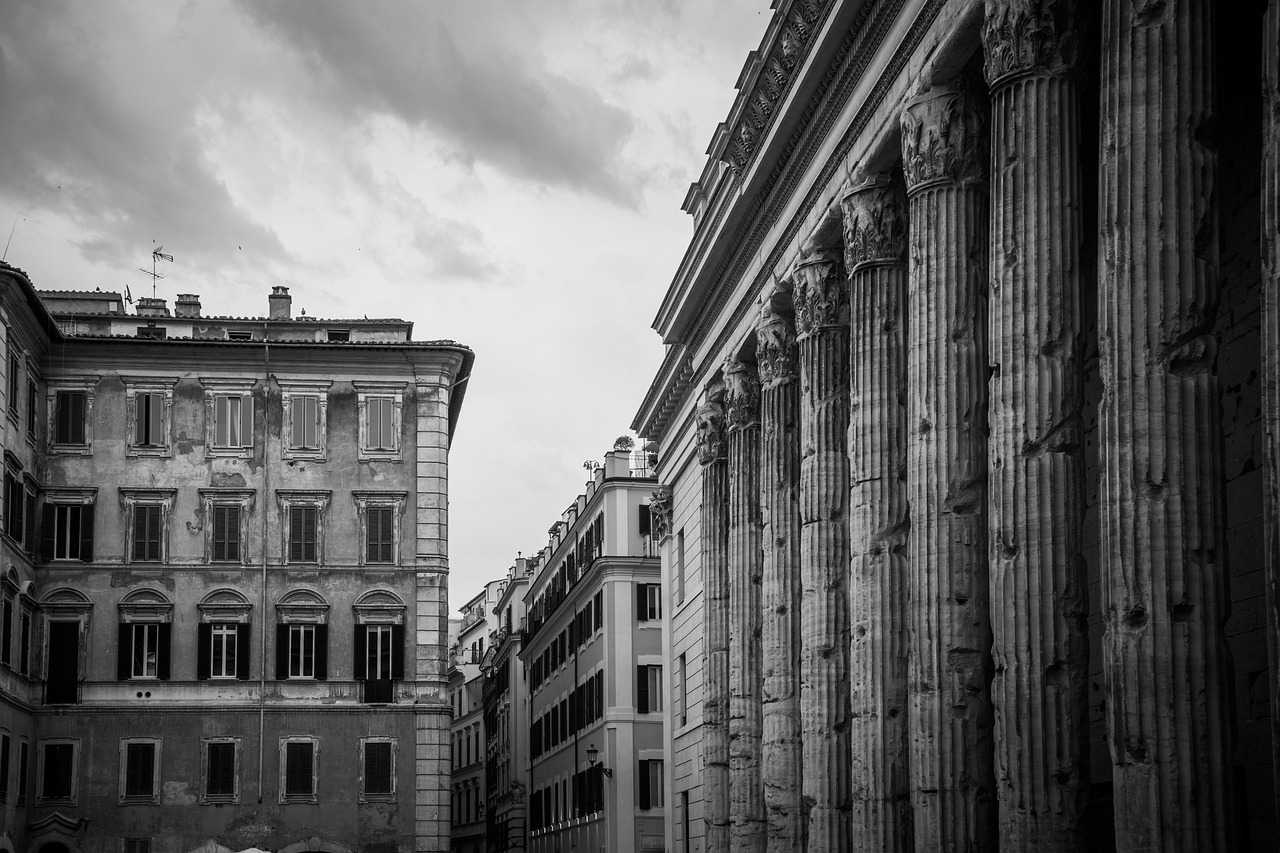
(1005,274)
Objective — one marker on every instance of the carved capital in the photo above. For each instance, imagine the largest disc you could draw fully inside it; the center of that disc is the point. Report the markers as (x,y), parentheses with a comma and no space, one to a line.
(1024,36)
(711,424)
(820,296)
(660,512)
(944,137)
(776,340)
(742,394)
(875,222)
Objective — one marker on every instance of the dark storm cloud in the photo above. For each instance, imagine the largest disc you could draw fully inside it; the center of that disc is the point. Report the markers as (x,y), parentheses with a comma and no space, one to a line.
(106,151)
(467,72)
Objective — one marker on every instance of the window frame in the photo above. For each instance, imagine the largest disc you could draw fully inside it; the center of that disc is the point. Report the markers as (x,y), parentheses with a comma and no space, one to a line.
(367,391)
(292,391)
(366,500)
(224,606)
(42,746)
(135,389)
(648,603)
(219,389)
(56,498)
(124,796)
(285,795)
(213,499)
(286,501)
(145,607)
(86,385)
(206,796)
(130,500)
(302,607)
(15,362)
(367,796)
(33,404)
(649,688)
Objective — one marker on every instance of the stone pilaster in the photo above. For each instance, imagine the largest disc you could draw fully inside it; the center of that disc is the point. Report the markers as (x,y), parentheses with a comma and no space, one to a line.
(780,592)
(1164,583)
(822,317)
(1271,352)
(714,542)
(746,796)
(875,241)
(949,713)
(1039,590)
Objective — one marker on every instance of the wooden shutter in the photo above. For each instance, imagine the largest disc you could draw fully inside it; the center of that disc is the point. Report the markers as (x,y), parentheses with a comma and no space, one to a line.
(86,533)
(397,652)
(232,532)
(298,417)
(282,652)
(242,651)
(642,689)
(155,407)
(204,650)
(124,651)
(164,635)
(220,533)
(360,657)
(221,421)
(295,534)
(644,784)
(377,768)
(246,421)
(642,603)
(322,652)
(308,534)
(29,535)
(388,534)
(48,528)
(644,520)
(298,775)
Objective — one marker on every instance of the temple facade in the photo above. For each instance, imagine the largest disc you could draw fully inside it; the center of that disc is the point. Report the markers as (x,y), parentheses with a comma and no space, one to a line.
(968,434)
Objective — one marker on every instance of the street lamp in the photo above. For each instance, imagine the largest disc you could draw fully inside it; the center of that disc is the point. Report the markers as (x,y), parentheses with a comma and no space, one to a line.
(592,755)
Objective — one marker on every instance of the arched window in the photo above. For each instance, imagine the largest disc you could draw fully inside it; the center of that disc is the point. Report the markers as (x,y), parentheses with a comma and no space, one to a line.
(302,636)
(145,635)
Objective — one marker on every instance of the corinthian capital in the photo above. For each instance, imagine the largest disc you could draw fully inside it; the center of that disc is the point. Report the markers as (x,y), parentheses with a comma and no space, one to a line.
(944,137)
(710,421)
(776,340)
(742,393)
(875,222)
(660,512)
(1023,36)
(820,295)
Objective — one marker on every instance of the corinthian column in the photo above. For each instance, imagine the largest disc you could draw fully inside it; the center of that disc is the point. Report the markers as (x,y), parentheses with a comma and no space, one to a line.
(875,245)
(944,150)
(714,543)
(780,594)
(746,803)
(1164,585)
(822,313)
(1038,585)
(1271,352)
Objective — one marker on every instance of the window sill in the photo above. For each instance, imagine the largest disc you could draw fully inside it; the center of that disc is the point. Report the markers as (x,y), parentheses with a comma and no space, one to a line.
(140,800)
(220,800)
(377,798)
(304,453)
(229,452)
(298,799)
(134,451)
(71,449)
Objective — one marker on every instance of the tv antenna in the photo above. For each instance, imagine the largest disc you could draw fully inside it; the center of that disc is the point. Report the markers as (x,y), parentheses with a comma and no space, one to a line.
(157,254)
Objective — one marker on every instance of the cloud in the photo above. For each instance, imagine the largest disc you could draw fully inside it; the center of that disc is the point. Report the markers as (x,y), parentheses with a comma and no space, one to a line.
(467,72)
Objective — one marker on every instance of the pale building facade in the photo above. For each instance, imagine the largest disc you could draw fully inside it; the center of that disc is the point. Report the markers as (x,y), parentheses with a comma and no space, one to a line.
(238,515)
(506,718)
(967,434)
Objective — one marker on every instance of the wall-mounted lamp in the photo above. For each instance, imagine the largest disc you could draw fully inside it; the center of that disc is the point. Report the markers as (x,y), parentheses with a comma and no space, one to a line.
(592,755)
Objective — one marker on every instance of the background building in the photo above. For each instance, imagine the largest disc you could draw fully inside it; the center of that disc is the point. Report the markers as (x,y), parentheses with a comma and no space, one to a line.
(967,413)
(240,515)
(506,720)
(466,689)
(593,654)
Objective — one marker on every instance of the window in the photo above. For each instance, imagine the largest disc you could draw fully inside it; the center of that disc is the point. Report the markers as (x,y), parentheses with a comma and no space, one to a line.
(144,635)
(303,525)
(15,381)
(232,421)
(23,750)
(137,845)
(226,534)
(24,649)
(147,513)
(379,652)
(15,502)
(221,770)
(4,767)
(150,407)
(298,770)
(225,513)
(57,771)
(380,406)
(304,423)
(378,779)
(70,408)
(678,572)
(305,407)
(302,636)
(146,533)
(648,602)
(339,334)
(72,532)
(140,770)
(6,642)
(222,636)
(651,785)
(32,404)
(682,690)
(239,335)
(152,331)
(302,651)
(649,689)
(380,514)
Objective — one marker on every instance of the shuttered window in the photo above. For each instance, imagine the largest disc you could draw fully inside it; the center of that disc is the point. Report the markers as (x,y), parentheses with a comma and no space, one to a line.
(220,771)
(147,430)
(648,602)
(68,532)
(377,768)
(299,773)
(304,432)
(303,523)
(57,771)
(649,689)
(651,787)
(140,770)
(147,519)
(226,534)
(222,650)
(380,423)
(4,767)
(144,650)
(380,534)
(232,421)
(68,425)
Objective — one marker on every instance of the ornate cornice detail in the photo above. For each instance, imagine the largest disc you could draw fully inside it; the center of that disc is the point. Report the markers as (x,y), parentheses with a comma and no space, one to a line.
(711,423)
(742,394)
(820,296)
(875,222)
(660,513)
(944,137)
(1023,36)
(776,339)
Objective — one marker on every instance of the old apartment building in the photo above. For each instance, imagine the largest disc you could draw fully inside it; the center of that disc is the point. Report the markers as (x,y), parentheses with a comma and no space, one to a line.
(968,434)
(225,562)
(506,716)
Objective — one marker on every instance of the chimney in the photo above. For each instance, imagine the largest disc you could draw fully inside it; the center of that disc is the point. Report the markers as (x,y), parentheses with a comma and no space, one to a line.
(617,463)
(151,306)
(281,304)
(187,305)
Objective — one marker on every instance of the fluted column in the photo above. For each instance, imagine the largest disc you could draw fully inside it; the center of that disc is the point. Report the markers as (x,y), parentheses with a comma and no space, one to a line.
(714,542)
(746,796)
(1164,584)
(1271,353)
(1039,591)
(945,152)
(822,313)
(780,592)
(875,245)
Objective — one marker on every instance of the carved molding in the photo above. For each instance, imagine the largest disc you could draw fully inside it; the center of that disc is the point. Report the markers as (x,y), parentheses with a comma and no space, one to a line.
(660,512)
(821,297)
(1023,36)
(742,394)
(944,136)
(710,419)
(776,339)
(875,222)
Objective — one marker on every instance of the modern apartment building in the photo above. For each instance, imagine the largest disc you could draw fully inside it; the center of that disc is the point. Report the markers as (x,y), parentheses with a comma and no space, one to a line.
(224,604)
(593,654)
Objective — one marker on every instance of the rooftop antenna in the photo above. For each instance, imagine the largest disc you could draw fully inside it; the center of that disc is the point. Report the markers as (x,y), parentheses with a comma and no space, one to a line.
(10,240)
(157,254)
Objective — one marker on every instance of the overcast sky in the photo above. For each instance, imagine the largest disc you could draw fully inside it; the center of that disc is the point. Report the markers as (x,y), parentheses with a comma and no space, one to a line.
(504,174)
